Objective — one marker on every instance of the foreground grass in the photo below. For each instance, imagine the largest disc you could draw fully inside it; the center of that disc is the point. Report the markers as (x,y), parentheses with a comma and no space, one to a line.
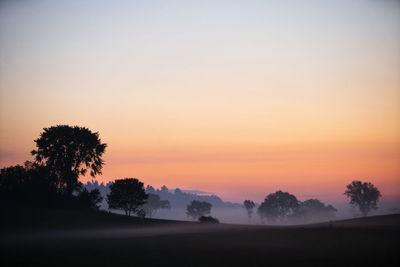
(78,238)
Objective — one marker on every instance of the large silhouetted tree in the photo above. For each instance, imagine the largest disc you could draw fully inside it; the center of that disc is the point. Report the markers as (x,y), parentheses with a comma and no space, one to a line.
(69,152)
(364,195)
(197,209)
(278,206)
(249,206)
(127,194)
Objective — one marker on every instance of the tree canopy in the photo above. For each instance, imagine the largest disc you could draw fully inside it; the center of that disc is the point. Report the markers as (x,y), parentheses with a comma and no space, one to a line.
(364,195)
(69,152)
(196,209)
(127,194)
(249,206)
(314,209)
(278,206)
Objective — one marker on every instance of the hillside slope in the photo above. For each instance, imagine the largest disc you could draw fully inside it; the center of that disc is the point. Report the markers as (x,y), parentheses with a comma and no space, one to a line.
(102,239)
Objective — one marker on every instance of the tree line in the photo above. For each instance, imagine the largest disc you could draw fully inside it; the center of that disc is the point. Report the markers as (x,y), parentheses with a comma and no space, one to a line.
(283,206)
(63,153)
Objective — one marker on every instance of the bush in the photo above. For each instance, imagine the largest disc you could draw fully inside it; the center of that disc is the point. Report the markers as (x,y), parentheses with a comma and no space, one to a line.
(208,219)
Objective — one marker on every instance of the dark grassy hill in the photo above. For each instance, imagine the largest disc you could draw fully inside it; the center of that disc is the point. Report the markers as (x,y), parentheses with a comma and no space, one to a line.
(22,218)
(102,239)
(390,221)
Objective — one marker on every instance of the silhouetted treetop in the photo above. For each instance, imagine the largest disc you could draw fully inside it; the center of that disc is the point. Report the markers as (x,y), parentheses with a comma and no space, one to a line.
(364,195)
(127,194)
(70,151)
(249,206)
(278,205)
(181,198)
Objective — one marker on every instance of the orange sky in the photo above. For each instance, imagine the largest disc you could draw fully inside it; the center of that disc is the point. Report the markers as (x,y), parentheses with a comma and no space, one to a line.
(232,98)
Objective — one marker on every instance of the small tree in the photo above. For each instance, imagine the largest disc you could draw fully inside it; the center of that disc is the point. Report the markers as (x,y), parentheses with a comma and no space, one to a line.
(127,194)
(364,195)
(249,206)
(89,199)
(208,219)
(278,206)
(69,152)
(197,209)
(154,203)
(141,213)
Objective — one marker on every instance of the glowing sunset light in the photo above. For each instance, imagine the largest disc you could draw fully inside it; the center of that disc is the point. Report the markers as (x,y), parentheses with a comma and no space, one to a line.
(239,99)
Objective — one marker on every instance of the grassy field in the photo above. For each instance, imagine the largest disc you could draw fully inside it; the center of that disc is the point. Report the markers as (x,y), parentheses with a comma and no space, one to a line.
(77,238)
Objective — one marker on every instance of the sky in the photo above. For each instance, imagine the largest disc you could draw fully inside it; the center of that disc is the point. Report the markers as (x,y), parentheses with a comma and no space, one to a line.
(239,98)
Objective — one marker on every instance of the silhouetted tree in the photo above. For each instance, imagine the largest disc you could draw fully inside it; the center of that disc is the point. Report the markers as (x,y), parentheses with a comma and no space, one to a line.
(164,189)
(127,194)
(89,199)
(278,205)
(180,199)
(150,189)
(29,184)
(314,209)
(102,187)
(208,219)
(178,192)
(249,206)
(197,209)
(141,213)
(364,195)
(12,181)
(154,203)
(69,152)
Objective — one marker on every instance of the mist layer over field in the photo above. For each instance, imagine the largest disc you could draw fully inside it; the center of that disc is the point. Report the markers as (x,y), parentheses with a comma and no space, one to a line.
(66,238)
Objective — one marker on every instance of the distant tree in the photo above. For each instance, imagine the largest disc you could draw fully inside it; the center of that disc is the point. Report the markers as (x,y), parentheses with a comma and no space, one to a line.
(127,194)
(69,152)
(249,206)
(364,195)
(102,187)
(164,192)
(278,206)
(141,213)
(178,192)
(89,199)
(150,189)
(314,209)
(208,219)
(154,203)
(197,209)
(164,189)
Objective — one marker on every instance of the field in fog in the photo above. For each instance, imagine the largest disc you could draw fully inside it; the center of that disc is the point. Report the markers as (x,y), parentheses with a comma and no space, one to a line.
(61,238)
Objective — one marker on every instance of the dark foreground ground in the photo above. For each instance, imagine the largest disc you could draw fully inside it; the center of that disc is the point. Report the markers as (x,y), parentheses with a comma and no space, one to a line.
(72,238)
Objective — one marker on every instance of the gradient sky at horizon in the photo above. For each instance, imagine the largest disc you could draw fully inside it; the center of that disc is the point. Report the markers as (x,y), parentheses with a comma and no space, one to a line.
(240,98)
